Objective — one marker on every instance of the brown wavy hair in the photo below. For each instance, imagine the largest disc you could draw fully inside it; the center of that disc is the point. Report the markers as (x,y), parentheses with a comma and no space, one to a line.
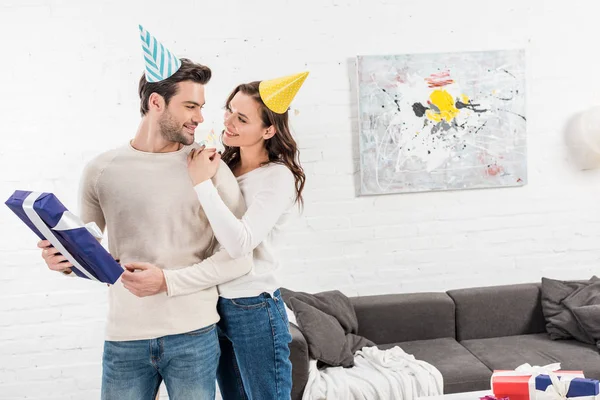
(282,147)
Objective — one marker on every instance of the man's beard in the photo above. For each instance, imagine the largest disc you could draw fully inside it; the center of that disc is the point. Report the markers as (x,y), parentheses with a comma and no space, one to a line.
(172,132)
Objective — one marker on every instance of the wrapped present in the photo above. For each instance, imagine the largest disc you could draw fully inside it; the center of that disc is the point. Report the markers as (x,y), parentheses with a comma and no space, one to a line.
(553,387)
(50,220)
(520,383)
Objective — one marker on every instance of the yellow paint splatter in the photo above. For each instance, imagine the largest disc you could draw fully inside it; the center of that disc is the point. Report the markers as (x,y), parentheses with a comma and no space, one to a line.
(445,103)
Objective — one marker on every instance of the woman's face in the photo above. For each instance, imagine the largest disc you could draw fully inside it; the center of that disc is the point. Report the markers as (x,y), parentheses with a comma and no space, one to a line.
(243,123)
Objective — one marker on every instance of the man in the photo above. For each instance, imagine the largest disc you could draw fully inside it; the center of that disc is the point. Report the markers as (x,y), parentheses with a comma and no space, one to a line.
(143,195)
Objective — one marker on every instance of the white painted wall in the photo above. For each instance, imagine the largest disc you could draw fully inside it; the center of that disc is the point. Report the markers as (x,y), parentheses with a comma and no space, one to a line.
(69,75)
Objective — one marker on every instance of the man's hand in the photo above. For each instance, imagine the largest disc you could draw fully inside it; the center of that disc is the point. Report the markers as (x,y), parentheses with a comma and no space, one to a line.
(203,164)
(148,280)
(54,260)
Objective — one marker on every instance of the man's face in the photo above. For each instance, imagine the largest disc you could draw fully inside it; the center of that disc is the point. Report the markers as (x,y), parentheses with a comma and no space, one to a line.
(180,118)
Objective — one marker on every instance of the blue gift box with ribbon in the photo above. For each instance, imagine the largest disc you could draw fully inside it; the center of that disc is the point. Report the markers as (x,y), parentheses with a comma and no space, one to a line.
(557,387)
(50,220)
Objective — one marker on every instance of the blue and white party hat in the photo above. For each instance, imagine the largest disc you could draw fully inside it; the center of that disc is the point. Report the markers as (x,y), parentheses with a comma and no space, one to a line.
(160,62)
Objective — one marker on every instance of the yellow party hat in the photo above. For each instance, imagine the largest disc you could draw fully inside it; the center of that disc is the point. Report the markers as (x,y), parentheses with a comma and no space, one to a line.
(277,94)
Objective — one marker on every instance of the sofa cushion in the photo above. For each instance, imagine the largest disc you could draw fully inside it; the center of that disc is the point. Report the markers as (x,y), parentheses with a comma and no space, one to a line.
(511,351)
(403,317)
(497,311)
(462,372)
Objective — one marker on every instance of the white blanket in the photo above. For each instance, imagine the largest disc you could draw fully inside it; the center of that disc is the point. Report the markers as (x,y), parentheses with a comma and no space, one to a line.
(377,375)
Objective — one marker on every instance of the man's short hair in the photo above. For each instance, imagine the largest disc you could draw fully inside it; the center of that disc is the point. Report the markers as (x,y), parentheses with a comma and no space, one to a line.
(189,71)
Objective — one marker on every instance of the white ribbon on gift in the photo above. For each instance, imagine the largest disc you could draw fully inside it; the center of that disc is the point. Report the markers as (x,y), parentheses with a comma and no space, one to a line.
(528,369)
(558,389)
(70,221)
(550,370)
(67,221)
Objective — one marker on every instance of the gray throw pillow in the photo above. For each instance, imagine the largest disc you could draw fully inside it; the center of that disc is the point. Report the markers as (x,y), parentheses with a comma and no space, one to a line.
(332,302)
(325,336)
(560,321)
(589,320)
(584,303)
(356,342)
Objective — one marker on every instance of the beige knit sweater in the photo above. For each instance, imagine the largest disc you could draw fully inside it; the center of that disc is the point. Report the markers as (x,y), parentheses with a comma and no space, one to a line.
(151,213)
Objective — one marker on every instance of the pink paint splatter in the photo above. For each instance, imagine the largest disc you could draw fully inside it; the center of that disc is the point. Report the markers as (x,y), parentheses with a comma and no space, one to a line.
(401,76)
(494,170)
(440,79)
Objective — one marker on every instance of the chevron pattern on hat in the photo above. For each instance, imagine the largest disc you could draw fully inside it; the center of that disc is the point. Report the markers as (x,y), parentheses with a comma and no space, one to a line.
(160,62)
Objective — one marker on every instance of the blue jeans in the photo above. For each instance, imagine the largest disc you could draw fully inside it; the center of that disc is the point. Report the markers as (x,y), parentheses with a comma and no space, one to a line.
(133,370)
(254,334)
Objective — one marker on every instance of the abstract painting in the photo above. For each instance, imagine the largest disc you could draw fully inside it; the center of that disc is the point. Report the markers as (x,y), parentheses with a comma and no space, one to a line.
(443,121)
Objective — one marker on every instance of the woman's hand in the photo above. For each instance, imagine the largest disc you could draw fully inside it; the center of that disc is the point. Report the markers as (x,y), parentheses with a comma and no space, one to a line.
(203,164)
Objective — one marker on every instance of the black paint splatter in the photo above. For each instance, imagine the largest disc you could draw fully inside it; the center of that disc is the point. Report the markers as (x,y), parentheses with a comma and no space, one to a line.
(502,69)
(481,127)
(419,109)
(395,100)
(470,106)
(512,112)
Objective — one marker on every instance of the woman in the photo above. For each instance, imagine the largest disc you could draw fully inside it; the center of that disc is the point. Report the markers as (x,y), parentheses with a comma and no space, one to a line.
(263,155)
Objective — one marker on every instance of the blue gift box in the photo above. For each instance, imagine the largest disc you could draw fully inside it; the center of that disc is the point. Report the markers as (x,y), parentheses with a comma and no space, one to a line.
(50,220)
(579,386)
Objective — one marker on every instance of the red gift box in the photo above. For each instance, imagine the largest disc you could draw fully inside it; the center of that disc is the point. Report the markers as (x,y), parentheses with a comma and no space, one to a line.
(520,383)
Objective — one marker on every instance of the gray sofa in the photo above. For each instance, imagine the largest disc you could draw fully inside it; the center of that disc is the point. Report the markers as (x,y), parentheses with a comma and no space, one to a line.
(464,333)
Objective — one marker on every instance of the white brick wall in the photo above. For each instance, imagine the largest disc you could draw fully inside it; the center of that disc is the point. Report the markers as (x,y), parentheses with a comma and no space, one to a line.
(69,74)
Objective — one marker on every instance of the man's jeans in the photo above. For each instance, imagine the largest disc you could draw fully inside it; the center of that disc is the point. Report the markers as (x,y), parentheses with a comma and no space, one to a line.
(255,336)
(187,362)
